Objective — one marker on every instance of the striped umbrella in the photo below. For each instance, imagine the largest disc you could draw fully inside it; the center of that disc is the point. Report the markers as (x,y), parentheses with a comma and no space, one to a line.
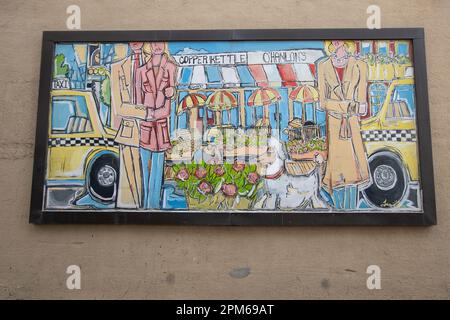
(221,100)
(263,97)
(304,94)
(192,100)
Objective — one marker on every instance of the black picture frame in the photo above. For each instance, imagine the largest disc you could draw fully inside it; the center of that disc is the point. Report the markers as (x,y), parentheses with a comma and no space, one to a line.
(416,35)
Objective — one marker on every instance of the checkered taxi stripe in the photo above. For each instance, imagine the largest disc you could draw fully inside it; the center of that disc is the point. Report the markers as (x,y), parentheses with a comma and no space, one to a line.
(389,135)
(78,142)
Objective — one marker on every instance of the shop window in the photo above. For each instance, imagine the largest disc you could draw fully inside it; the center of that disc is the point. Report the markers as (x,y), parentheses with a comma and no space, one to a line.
(382,48)
(366,48)
(183,120)
(226,117)
(209,115)
(403,48)
(94,54)
(258,113)
(309,111)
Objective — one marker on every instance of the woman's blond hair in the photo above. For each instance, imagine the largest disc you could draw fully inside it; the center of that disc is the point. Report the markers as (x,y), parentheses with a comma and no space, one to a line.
(147,49)
(349,46)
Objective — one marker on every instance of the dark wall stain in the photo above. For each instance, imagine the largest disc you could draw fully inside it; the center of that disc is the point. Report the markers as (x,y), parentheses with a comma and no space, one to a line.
(170,278)
(325,283)
(240,273)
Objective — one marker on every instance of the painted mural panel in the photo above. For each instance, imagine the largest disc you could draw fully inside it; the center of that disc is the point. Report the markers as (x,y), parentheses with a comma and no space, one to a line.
(316,126)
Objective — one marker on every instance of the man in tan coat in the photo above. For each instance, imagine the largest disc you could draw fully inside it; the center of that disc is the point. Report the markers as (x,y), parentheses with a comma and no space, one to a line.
(342,82)
(125,119)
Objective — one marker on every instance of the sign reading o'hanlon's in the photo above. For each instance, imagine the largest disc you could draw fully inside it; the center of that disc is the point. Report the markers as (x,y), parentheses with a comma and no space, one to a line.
(285,56)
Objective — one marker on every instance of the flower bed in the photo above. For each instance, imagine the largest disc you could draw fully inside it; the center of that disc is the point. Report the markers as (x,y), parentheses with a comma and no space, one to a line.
(300,150)
(211,186)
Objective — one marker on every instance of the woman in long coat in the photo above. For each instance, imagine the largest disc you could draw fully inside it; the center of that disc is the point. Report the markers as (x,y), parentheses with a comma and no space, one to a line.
(342,82)
(155,86)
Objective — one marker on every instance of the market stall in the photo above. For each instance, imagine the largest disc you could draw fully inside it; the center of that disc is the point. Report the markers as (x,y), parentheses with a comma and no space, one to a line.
(241,73)
(230,87)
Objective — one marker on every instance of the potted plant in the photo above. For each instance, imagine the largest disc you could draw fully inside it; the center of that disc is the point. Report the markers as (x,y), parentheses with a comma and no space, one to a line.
(401,64)
(218,186)
(381,67)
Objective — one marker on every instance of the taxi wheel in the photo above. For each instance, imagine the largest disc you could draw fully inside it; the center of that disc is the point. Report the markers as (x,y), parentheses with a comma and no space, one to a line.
(389,180)
(103,178)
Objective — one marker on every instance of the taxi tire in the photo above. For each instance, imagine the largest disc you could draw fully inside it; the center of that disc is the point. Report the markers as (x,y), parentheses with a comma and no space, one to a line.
(394,195)
(96,189)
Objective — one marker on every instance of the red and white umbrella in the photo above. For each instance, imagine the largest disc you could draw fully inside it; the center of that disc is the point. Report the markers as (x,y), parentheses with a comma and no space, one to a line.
(221,100)
(265,97)
(305,94)
(192,100)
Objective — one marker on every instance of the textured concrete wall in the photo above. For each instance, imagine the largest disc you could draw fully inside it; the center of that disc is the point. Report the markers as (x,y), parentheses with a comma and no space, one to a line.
(210,262)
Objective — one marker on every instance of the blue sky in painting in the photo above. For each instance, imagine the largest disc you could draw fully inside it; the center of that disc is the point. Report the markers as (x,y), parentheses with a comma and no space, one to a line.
(66,50)
(236,46)
(216,47)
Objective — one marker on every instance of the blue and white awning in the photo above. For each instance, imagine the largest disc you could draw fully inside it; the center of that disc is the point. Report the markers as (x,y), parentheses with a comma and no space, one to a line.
(247,69)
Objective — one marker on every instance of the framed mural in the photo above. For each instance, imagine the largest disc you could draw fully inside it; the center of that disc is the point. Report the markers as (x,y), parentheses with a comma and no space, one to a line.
(234,127)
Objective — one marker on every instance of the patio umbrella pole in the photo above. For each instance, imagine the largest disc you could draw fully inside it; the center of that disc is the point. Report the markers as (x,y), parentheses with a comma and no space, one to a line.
(205,120)
(278,119)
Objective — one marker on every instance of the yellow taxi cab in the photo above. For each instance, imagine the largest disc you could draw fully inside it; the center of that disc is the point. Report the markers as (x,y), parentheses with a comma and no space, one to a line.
(390,139)
(81,151)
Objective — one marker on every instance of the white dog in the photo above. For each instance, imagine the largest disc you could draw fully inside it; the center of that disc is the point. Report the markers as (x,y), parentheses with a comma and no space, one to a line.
(285,191)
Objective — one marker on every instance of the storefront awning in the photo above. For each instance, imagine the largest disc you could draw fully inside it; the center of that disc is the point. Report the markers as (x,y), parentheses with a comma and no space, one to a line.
(250,69)
(213,77)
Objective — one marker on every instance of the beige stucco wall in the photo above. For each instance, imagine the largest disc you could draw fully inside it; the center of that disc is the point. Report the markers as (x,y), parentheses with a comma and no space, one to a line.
(196,262)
